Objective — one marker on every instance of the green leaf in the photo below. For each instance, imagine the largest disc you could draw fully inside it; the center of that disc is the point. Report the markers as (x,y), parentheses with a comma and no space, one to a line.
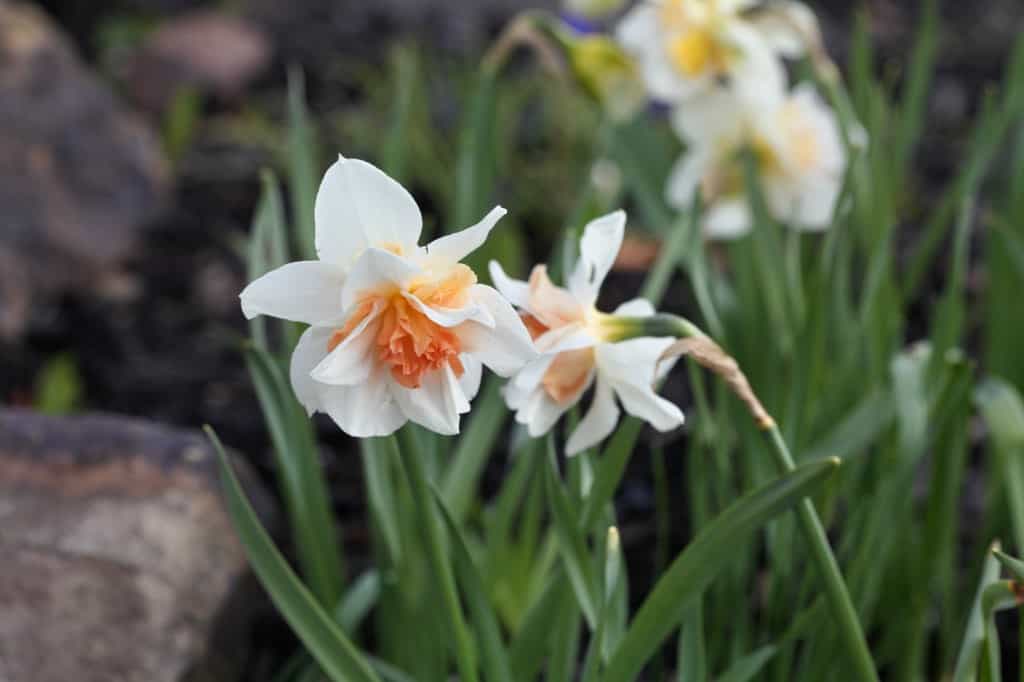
(973,643)
(526,655)
(324,639)
(433,534)
(1003,411)
(358,601)
(571,541)
(58,386)
(302,164)
(474,447)
(705,557)
(268,249)
(858,429)
(496,666)
(405,78)
(1015,566)
(475,165)
(379,455)
(748,667)
(611,466)
(300,477)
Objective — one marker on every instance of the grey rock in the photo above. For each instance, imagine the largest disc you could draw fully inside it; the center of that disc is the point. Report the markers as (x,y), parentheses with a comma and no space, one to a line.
(210,51)
(79,176)
(120,562)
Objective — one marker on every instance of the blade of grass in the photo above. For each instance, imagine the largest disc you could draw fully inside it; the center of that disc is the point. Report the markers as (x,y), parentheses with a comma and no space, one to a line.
(474,448)
(461,639)
(571,542)
(302,164)
(1003,410)
(301,479)
(705,557)
(324,639)
(748,667)
(495,659)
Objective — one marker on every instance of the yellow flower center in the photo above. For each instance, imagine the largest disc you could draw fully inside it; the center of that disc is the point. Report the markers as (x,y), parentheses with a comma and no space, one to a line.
(695,52)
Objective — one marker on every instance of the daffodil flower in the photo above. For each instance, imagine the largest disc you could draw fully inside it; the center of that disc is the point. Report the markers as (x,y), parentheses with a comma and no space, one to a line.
(688,47)
(397,332)
(796,143)
(581,347)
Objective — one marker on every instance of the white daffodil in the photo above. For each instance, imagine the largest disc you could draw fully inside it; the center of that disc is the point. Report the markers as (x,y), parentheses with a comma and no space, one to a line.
(397,331)
(688,47)
(579,347)
(796,143)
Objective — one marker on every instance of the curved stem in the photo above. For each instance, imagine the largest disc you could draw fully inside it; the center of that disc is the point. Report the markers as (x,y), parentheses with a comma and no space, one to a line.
(434,541)
(835,589)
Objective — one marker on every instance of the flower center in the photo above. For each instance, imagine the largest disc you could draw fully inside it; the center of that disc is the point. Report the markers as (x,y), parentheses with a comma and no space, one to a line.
(697,51)
(802,138)
(568,374)
(406,340)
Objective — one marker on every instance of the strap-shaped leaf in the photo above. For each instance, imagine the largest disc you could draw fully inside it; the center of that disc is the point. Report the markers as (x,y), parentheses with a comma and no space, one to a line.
(697,565)
(324,639)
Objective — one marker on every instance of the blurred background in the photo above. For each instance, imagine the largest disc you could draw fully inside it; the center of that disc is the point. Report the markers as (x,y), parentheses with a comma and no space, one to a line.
(132,138)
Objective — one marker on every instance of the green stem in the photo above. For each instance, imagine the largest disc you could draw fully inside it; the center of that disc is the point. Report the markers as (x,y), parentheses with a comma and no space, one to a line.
(835,589)
(437,556)
(669,258)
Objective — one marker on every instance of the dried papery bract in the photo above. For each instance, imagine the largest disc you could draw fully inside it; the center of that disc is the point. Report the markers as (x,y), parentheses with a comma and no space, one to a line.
(708,354)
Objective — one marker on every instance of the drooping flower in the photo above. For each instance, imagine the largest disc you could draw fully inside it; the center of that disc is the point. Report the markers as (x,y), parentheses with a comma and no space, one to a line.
(581,347)
(690,47)
(796,143)
(397,331)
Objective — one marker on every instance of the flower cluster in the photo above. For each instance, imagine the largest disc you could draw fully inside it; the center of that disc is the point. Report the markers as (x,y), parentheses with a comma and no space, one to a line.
(719,65)
(400,332)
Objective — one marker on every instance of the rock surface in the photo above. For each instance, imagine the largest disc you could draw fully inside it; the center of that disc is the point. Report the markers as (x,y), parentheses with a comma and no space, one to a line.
(207,50)
(119,560)
(79,176)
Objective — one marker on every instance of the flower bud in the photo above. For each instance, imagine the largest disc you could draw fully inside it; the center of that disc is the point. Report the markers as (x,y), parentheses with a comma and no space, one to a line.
(608,74)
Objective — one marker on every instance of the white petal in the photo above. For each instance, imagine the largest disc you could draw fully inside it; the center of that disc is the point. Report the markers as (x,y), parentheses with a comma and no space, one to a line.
(309,351)
(711,121)
(639,29)
(630,367)
(548,412)
(788,27)
(352,361)
(528,378)
(373,269)
(305,291)
(470,379)
(599,246)
(453,248)
(451,317)
(637,307)
(816,204)
(431,405)
(515,290)
(758,78)
(365,410)
(728,219)
(598,423)
(504,347)
(569,337)
(359,206)
(540,412)
(686,177)
(454,395)
(647,405)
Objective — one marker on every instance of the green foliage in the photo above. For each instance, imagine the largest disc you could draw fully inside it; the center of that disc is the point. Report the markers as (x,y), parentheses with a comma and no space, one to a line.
(58,386)
(526,582)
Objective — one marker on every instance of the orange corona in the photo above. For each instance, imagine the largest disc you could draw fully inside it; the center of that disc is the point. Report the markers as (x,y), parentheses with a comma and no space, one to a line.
(406,340)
